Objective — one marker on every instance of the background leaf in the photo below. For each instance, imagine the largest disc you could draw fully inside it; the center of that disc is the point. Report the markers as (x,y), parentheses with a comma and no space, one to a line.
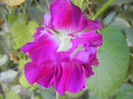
(78,3)
(13,3)
(129,34)
(120,23)
(3,59)
(23,33)
(23,81)
(8,76)
(110,18)
(46,93)
(124,92)
(116,2)
(35,14)
(1,96)
(4,45)
(12,95)
(113,58)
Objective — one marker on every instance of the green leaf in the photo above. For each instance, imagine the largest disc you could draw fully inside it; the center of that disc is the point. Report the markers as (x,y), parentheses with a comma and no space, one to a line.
(113,58)
(120,23)
(44,5)
(11,19)
(1,96)
(46,93)
(35,14)
(96,97)
(22,32)
(124,92)
(78,3)
(127,14)
(8,76)
(62,97)
(76,95)
(3,60)
(99,2)
(12,95)
(116,2)
(24,82)
(110,18)
(21,64)
(129,34)
(4,45)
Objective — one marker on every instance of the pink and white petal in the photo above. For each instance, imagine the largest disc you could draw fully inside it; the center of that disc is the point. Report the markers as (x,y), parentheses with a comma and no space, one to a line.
(92,57)
(64,16)
(83,56)
(47,21)
(94,39)
(69,77)
(75,42)
(40,51)
(41,32)
(34,73)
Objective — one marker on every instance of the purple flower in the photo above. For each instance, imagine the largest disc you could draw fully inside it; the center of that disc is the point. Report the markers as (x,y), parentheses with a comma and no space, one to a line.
(63,52)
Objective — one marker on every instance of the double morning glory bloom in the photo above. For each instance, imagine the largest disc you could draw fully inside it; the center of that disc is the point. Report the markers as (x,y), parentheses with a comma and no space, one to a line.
(64,50)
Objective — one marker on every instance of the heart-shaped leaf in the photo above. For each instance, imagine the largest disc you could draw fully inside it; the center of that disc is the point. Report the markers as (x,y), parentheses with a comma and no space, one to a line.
(113,58)
(22,32)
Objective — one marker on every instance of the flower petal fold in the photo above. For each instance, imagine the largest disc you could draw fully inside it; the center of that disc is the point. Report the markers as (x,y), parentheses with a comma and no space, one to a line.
(64,15)
(92,25)
(94,39)
(47,21)
(88,70)
(40,51)
(47,80)
(36,73)
(69,77)
(41,48)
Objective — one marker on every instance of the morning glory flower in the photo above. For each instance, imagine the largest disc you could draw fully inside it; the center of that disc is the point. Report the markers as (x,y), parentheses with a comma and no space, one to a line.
(64,50)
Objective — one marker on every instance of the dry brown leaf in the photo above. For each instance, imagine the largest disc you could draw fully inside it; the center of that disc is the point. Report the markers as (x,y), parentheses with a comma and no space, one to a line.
(1,21)
(12,3)
(13,57)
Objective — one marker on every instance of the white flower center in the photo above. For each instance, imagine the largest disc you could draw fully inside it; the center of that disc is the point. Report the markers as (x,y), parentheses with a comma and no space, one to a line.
(63,39)
(64,42)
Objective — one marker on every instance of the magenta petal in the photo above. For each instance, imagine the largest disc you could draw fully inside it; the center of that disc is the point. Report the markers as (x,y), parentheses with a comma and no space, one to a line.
(83,56)
(87,24)
(64,15)
(93,25)
(94,39)
(35,72)
(93,60)
(69,77)
(47,20)
(88,70)
(60,56)
(47,80)
(40,51)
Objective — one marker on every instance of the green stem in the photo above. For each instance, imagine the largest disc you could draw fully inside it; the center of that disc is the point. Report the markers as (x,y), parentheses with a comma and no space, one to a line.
(57,95)
(102,9)
(25,15)
(38,5)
